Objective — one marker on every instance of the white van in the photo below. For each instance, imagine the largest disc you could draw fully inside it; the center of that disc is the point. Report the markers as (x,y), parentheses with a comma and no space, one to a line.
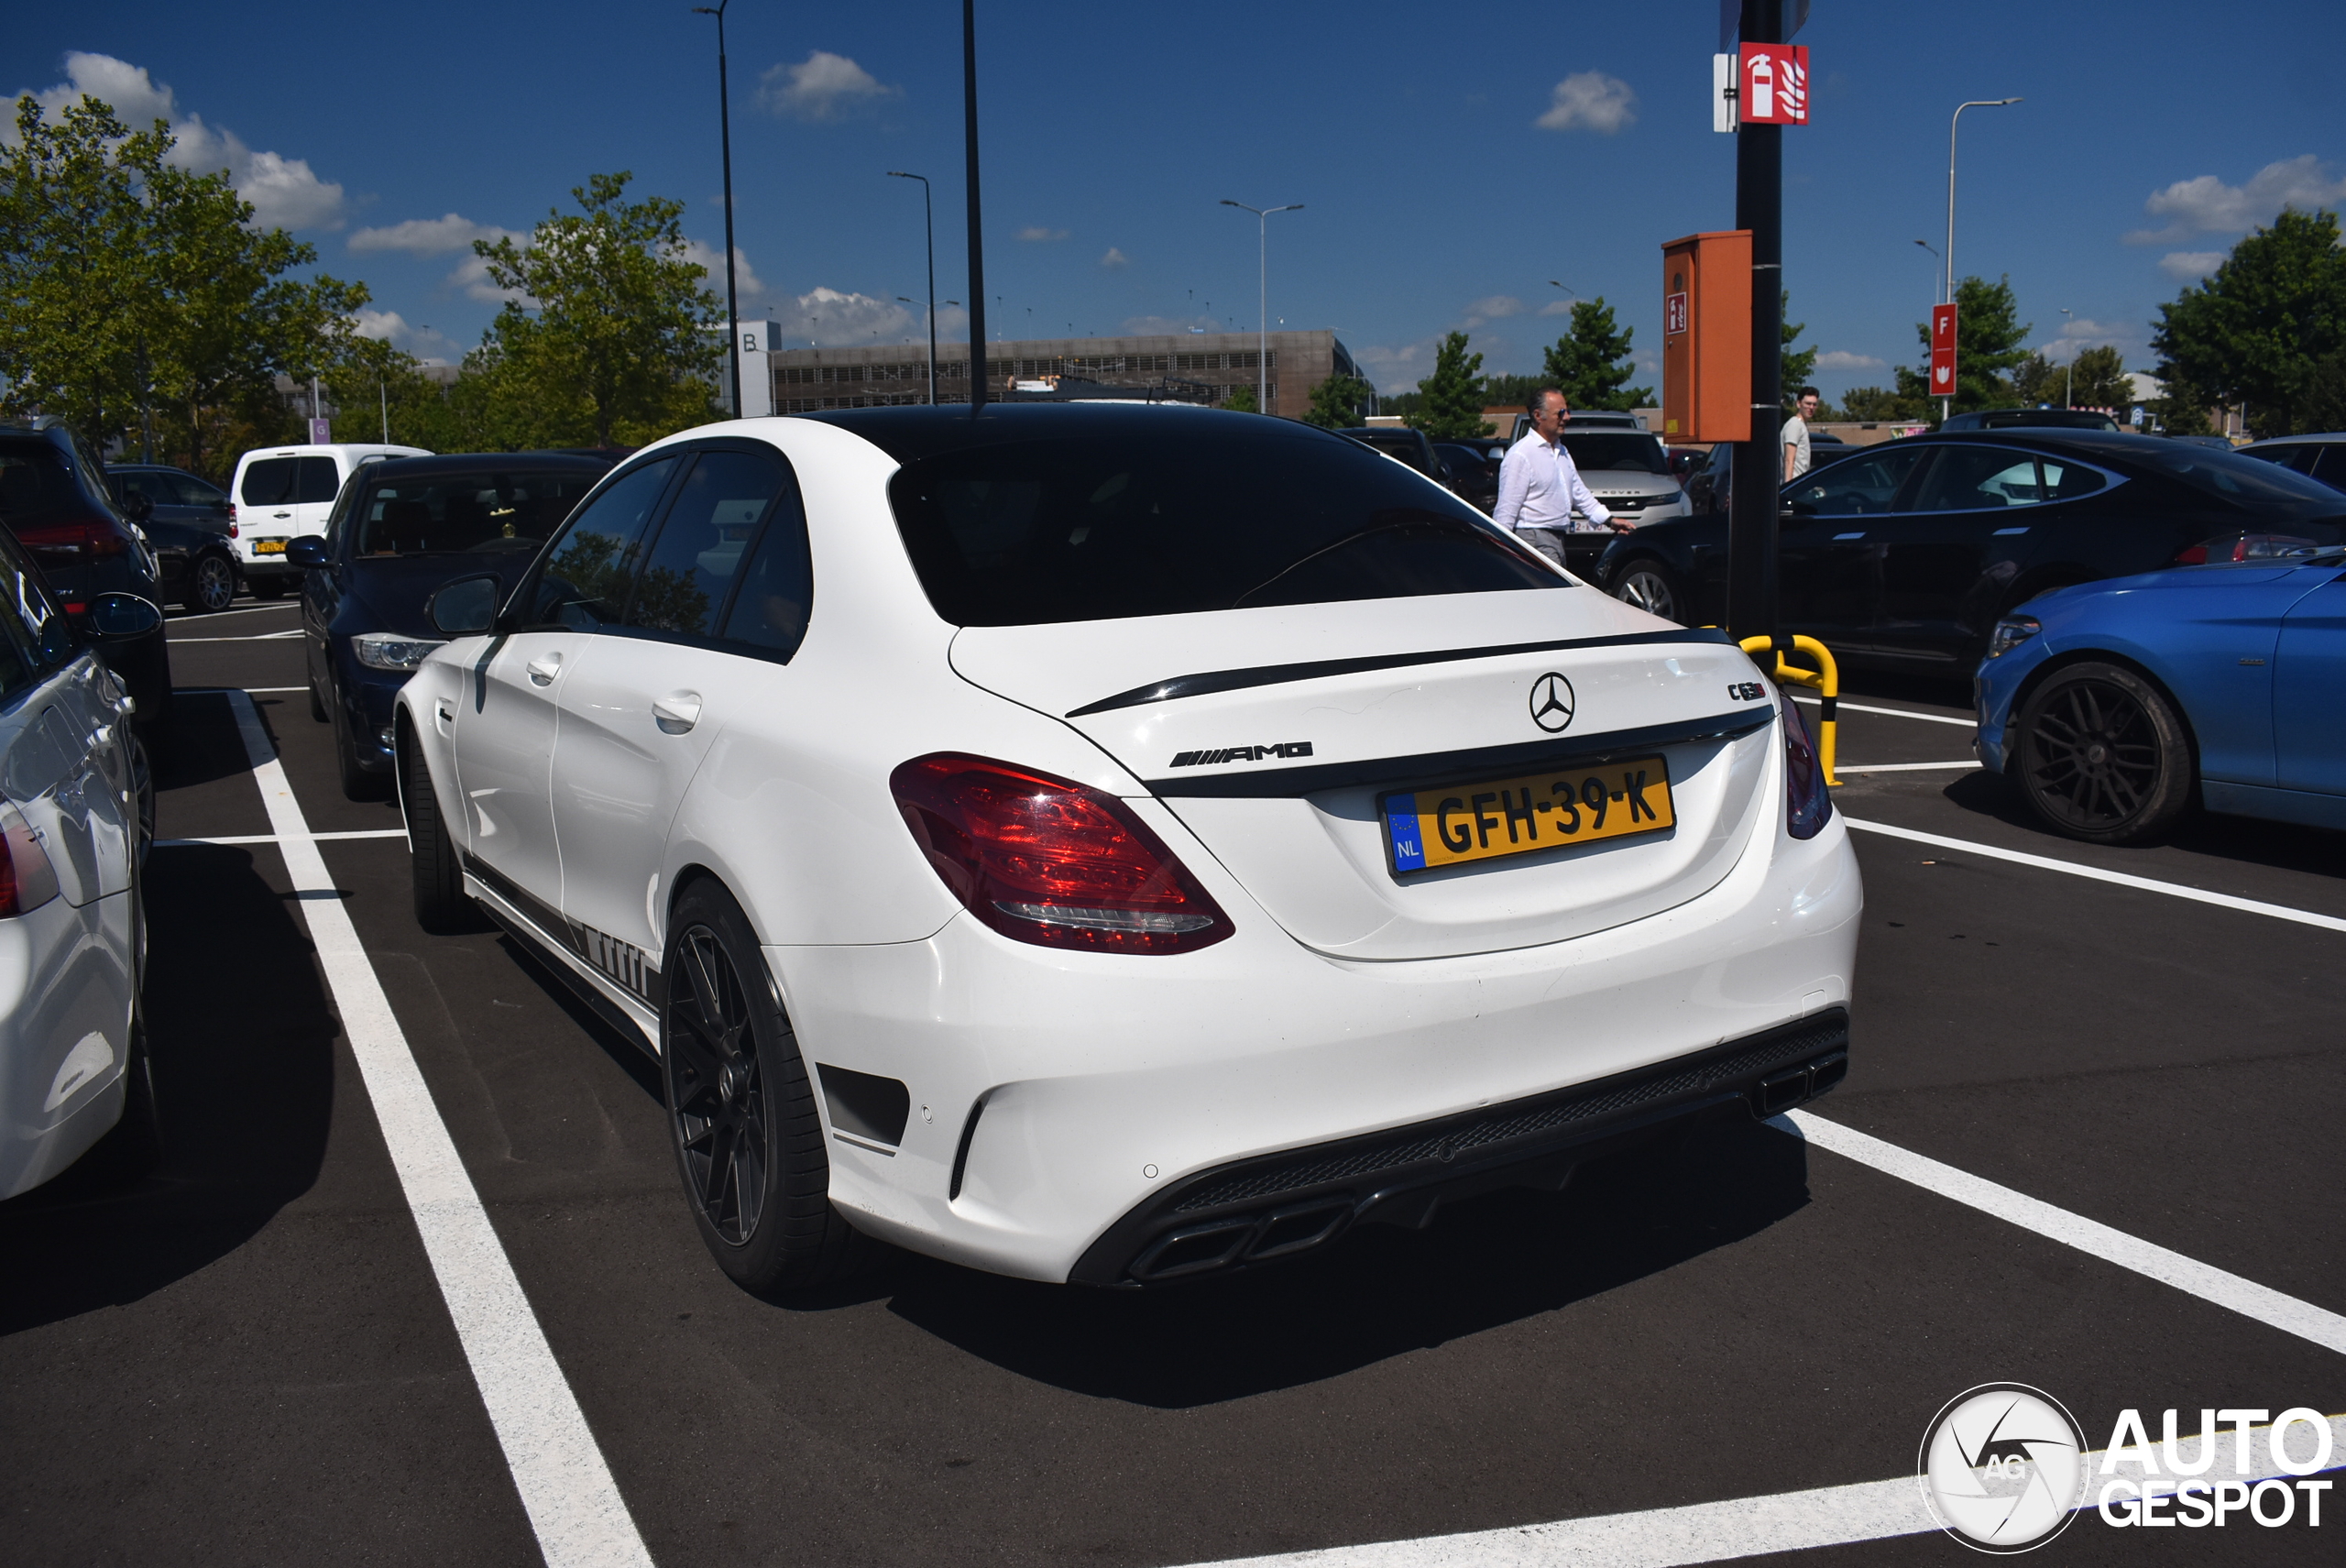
(283,493)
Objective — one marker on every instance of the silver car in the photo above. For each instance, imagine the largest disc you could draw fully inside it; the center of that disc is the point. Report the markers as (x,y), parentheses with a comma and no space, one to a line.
(75,818)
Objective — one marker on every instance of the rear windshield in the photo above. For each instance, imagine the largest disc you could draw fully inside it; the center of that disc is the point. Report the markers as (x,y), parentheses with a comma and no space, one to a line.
(35,485)
(2228,475)
(290,481)
(1621,450)
(1198,518)
(500,510)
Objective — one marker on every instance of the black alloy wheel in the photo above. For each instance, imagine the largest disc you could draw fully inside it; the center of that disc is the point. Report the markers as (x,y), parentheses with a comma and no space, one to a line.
(749,1138)
(1649,584)
(2103,756)
(442,905)
(210,584)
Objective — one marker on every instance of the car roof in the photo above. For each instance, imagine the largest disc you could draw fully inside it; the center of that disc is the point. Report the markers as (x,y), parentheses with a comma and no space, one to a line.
(452,464)
(2321,436)
(911,431)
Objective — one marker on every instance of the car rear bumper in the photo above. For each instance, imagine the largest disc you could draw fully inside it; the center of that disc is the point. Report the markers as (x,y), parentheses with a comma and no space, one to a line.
(1066,1106)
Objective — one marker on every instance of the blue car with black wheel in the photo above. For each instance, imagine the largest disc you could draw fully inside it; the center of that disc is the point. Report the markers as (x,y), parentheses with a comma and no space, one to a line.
(400,529)
(2118,706)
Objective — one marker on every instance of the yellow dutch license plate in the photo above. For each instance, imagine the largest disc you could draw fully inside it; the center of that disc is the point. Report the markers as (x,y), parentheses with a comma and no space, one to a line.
(269,547)
(1427,829)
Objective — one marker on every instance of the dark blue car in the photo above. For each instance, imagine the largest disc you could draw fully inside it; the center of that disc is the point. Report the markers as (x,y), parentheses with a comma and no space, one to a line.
(2115,706)
(399,530)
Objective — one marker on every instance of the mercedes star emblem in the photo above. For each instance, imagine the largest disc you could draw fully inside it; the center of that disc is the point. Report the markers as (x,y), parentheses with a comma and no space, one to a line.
(1552,702)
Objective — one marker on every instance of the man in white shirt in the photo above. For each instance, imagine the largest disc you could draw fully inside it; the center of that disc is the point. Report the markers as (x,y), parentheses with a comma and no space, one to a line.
(1539,486)
(1796,434)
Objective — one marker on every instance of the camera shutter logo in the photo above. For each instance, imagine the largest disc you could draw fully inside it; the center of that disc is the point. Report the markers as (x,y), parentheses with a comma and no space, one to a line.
(2002,1467)
(1552,702)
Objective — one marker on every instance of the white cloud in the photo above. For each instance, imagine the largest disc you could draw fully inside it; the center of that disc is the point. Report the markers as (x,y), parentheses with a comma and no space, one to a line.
(430,236)
(1842,360)
(1399,369)
(2208,205)
(1038,234)
(1494,307)
(2190,266)
(285,191)
(823,86)
(2079,334)
(1557,308)
(831,319)
(746,283)
(1590,100)
(1115,258)
(429,345)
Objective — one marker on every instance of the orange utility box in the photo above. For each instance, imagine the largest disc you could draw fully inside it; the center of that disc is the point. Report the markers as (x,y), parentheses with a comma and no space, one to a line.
(1706,337)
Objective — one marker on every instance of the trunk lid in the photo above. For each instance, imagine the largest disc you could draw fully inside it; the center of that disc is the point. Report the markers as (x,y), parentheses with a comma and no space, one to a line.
(1274,733)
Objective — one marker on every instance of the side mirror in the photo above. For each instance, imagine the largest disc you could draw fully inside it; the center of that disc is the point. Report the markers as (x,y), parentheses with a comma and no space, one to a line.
(465,608)
(119,617)
(308,550)
(137,508)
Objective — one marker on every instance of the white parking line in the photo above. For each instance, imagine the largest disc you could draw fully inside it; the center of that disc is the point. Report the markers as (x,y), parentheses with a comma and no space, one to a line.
(1901,767)
(1787,1521)
(280,838)
(2044,862)
(248,609)
(574,1505)
(2250,1300)
(1899,713)
(253,637)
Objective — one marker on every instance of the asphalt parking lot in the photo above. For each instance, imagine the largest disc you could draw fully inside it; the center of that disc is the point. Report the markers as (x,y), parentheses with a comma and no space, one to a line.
(248,1357)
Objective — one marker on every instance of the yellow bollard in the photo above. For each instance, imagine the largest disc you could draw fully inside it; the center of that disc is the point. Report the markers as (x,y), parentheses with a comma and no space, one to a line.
(1826,679)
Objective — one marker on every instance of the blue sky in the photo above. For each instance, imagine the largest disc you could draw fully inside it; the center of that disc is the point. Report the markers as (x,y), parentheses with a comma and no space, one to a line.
(2152,136)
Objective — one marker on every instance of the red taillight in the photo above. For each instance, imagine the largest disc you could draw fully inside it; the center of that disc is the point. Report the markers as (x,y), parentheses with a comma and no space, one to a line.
(27,879)
(1807,798)
(2243,547)
(74,538)
(1043,860)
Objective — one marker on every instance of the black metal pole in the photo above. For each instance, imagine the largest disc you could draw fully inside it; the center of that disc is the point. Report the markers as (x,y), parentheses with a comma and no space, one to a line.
(977,243)
(725,146)
(1759,461)
(929,227)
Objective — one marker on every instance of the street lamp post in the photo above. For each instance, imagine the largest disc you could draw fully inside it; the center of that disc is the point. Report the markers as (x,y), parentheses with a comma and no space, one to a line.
(1263,301)
(929,228)
(725,146)
(2069,382)
(1947,403)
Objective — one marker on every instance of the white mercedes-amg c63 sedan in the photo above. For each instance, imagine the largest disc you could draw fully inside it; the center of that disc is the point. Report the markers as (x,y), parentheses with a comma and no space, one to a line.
(1116,844)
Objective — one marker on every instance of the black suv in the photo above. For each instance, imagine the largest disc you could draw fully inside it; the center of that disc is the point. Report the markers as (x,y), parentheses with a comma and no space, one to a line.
(53,498)
(188,526)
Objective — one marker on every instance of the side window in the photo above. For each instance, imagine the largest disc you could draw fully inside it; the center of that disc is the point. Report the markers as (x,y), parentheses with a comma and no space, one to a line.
(585,584)
(689,575)
(2330,467)
(1861,484)
(1978,478)
(194,492)
(39,629)
(777,583)
(2067,481)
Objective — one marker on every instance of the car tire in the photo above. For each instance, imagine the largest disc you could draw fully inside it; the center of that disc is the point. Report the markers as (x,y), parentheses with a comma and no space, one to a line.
(741,1112)
(211,584)
(1653,587)
(442,905)
(2103,756)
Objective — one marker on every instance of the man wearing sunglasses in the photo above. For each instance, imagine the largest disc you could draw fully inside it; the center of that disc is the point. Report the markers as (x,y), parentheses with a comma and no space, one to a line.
(1540,489)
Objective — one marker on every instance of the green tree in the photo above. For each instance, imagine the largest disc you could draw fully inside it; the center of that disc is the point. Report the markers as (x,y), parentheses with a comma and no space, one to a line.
(1449,403)
(1336,403)
(1879,404)
(1794,366)
(2257,330)
(2097,379)
(1988,339)
(612,340)
(136,295)
(1241,400)
(1592,363)
(2036,380)
(1512,391)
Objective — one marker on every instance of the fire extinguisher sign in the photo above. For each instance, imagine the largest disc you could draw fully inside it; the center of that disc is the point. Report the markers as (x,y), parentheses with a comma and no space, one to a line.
(1773,85)
(1942,351)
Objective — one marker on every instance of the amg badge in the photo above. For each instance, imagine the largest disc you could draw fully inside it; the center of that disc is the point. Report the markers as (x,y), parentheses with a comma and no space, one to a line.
(1241,755)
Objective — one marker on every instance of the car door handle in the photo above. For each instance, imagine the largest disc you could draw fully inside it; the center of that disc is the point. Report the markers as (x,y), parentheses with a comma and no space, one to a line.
(677,712)
(544,668)
(280,514)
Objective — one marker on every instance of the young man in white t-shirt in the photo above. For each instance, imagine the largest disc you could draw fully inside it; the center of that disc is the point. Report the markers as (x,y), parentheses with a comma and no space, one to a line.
(1796,434)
